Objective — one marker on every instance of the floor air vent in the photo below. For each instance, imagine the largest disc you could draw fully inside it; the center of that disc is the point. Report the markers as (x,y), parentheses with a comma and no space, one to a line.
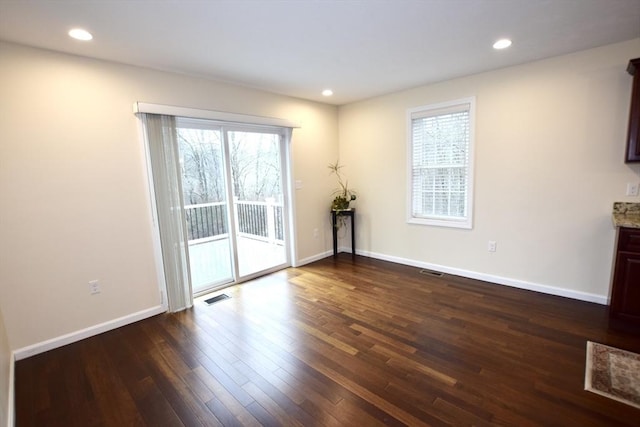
(431,273)
(217,299)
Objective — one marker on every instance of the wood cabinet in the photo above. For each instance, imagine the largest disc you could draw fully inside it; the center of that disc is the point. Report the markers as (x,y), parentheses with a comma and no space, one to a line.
(633,138)
(625,287)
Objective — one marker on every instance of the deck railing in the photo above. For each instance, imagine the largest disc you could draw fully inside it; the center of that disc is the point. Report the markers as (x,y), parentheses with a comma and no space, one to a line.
(206,220)
(257,220)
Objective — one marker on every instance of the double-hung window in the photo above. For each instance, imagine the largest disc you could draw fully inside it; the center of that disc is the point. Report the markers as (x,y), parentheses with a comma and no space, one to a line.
(440,149)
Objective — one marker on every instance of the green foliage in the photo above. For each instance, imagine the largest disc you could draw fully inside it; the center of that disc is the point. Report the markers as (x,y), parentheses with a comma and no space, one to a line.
(342,195)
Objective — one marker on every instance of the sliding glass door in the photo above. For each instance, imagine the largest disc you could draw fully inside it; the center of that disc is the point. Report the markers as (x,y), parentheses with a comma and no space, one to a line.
(257,189)
(234,201)
(205,203)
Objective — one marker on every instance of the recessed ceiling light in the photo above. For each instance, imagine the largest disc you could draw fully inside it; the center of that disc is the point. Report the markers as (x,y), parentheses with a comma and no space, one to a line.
(502,44)
(327,92)
(80,34)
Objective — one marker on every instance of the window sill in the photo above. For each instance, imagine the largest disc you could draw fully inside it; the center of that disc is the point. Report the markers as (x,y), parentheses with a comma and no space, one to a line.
(449,223)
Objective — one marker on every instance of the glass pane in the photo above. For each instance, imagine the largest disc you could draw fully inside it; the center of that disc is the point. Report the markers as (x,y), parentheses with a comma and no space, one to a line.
(204,191)
(440,156)
(256,177)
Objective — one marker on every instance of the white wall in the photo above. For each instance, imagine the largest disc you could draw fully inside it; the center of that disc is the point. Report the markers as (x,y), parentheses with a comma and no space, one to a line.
(549,164)
(6,360)
(75,205)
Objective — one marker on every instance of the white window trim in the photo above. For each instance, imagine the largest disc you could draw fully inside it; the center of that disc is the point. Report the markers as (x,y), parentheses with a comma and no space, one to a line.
(466,223)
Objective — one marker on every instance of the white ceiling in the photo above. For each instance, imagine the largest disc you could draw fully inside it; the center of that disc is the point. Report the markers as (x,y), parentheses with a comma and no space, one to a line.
(359,48)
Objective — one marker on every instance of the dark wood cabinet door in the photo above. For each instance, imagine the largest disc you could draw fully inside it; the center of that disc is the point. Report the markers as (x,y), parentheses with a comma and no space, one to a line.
(633,138)
(629,240)
(625,295)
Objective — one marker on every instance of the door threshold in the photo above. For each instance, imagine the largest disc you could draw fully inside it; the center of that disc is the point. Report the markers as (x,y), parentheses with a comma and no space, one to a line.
(213,289)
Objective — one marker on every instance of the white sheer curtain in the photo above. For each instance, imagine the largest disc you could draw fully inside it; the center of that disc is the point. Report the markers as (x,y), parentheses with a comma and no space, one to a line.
(160,132)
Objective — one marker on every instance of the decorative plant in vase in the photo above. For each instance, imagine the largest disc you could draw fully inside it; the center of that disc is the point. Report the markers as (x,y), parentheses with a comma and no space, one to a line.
(342,195)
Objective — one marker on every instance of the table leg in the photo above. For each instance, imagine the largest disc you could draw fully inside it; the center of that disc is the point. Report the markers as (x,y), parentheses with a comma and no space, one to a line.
(353,234)
(334,229)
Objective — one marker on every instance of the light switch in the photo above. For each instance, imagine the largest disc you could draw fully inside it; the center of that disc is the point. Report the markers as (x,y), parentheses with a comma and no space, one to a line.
(298,184)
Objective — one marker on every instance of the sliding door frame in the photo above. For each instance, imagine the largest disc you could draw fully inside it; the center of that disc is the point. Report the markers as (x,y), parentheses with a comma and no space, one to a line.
(285,183)
(282,127)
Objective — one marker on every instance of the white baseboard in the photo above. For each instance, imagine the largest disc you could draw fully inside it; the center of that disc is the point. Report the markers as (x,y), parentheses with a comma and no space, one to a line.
(11,410)
(514,283)
(308,260)
(41,347)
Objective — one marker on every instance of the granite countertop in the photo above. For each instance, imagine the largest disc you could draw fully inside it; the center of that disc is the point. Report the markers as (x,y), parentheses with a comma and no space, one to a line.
(626,215)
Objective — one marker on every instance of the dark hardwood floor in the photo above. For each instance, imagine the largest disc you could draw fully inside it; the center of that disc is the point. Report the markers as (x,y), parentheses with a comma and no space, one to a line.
(337,342)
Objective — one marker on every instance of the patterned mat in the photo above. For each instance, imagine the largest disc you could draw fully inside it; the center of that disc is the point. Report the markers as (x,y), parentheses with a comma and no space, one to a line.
(613,373)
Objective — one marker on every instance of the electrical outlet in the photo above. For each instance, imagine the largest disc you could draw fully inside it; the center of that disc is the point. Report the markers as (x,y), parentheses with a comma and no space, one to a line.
(632,189)
(491,247)
(315,233)
(94,287)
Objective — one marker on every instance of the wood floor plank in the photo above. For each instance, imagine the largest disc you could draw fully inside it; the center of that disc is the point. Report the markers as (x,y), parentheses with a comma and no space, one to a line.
(227,398)
(339,342)
(363,392)
(152,405)
(182,399)
(280,411)
(264,418)
(222,413)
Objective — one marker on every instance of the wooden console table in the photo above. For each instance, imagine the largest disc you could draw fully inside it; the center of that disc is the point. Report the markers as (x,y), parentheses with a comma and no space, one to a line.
(351,213)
